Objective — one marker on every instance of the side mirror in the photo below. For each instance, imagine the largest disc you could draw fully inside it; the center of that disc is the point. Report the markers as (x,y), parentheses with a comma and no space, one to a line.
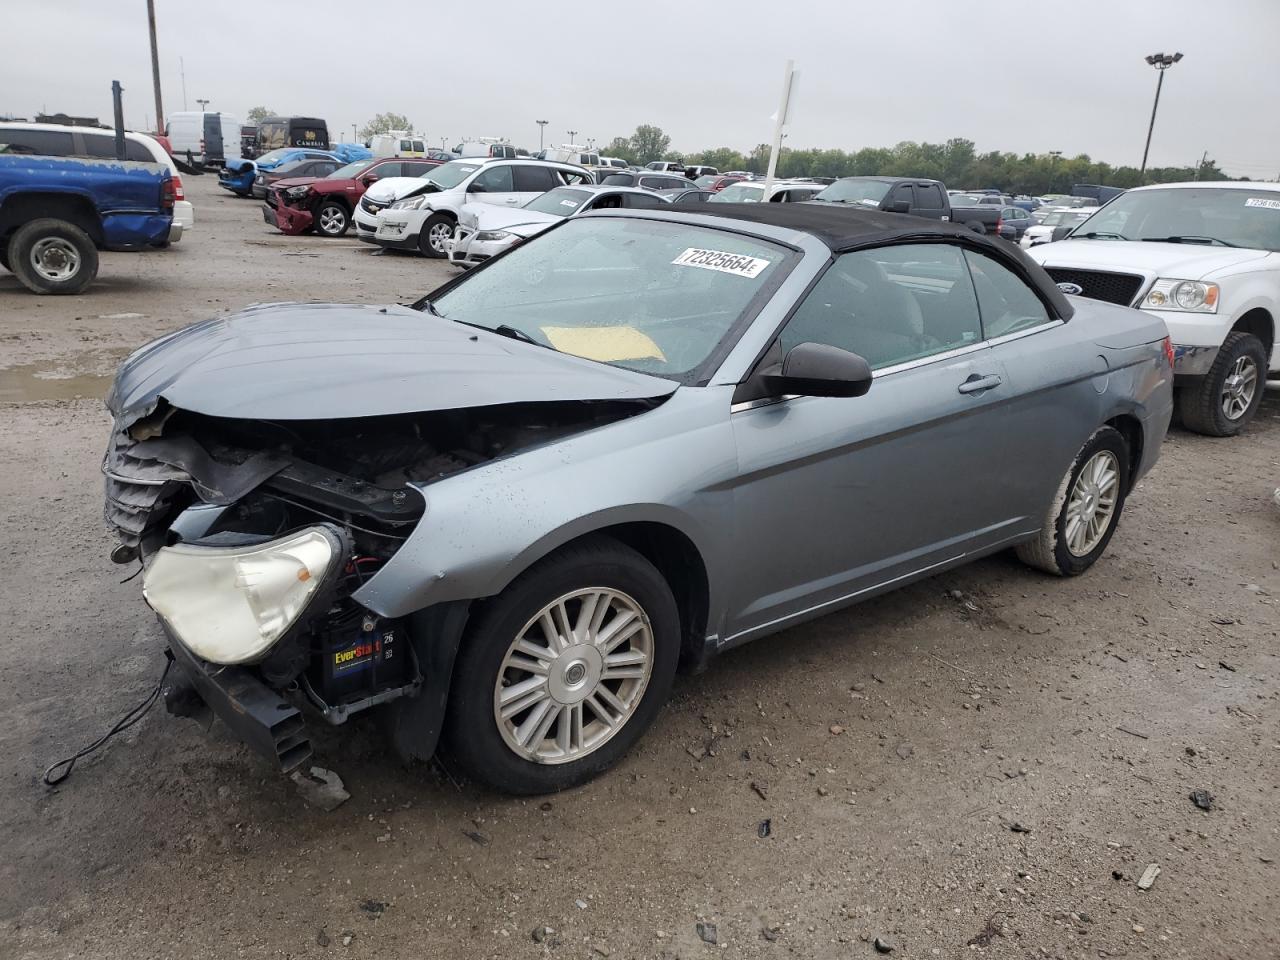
(369,178)
(820,370)
(898,206)
(477,188)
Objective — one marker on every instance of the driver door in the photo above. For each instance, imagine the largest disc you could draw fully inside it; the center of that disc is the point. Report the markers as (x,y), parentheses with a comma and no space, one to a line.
(838,496)
(494,184)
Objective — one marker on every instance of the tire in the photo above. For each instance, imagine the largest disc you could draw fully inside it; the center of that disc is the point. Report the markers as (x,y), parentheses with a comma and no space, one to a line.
(336,215)
(1202,405)
(1052,550)
(68,260)
(486,746)
(442,225)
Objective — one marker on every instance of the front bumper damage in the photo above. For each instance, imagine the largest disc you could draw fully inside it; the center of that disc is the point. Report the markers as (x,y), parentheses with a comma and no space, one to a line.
(284,216)
(267,723)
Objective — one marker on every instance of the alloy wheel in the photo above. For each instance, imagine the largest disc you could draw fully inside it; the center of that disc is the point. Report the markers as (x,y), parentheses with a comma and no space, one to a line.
(1092,503)
(55,259)
(332,220)
(1239,388)
(437,236)
(574,675)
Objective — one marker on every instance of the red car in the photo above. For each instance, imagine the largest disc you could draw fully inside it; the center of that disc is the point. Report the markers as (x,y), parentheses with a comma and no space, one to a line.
(306,203)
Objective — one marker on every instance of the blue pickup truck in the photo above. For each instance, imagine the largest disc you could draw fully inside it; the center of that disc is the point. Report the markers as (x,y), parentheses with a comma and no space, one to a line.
(56,213)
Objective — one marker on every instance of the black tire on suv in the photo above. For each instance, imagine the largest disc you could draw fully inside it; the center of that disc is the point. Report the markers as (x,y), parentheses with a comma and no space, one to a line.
(1225,399)
(53,256)
(440,225)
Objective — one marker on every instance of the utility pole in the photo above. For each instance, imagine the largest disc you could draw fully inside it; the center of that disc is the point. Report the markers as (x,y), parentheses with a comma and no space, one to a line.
(182,71)
(1203,160)
(1162,62)
(542,129)
(155,64)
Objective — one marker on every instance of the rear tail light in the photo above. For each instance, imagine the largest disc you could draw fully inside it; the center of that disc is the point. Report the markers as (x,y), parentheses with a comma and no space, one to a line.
(999,224)
(1168,351)
(178,192)
(166,195)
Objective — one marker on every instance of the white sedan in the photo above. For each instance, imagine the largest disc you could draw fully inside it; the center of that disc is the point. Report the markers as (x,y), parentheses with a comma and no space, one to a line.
(1042,232)
(484,230)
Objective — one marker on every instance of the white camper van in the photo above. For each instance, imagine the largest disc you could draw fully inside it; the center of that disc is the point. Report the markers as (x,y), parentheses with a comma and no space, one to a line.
(204,137)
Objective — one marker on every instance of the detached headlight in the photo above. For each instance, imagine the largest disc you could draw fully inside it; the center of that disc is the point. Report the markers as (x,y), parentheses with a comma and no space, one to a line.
(491,235)
(230,604)
(1189,296)
(413,203)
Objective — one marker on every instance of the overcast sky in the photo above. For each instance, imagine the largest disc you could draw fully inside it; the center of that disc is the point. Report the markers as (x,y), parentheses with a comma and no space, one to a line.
(1019,75)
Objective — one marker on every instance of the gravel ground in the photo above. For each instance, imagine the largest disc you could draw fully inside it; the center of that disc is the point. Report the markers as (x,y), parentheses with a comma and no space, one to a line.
(984,763)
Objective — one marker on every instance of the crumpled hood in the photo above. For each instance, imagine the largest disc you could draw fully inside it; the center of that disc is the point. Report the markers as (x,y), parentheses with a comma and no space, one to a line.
(307,361)
(1183,261)
(287,182)
(393,188)
(490,216)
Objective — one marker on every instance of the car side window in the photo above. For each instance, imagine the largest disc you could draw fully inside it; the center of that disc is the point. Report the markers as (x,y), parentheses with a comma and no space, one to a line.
(389,170)
(531,178)
(901,192)
(493,180)
(1005,301)
(642,201)
(929,196)
(891,305)
(577,179)
(42,143)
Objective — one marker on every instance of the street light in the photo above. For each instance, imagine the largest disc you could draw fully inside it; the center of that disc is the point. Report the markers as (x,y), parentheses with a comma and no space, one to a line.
(542,128)
(203,104)
(572,134)
(1162,62)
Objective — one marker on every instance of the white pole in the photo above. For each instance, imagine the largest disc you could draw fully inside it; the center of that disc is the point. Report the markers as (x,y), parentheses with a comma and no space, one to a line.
(783,106)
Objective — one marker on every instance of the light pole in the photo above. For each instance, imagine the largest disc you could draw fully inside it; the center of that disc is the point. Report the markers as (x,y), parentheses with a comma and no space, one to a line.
(542,129)
(572,134)
(203,104)
(155,63)
(1162,62)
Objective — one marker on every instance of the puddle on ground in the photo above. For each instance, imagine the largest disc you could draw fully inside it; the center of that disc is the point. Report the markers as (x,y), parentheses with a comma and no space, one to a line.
(81,376)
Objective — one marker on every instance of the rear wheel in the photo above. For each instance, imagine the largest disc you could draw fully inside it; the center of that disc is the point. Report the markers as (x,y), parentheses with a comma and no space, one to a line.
(1085,510)
(332,219)
(435,232)
(53,256)
(1227,397)
(564,671)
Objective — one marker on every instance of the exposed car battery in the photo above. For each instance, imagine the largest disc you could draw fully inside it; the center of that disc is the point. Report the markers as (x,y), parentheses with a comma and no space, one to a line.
(359,655)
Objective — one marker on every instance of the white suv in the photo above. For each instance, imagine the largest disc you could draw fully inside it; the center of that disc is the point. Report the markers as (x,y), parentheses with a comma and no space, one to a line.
(1205,257)
(422,218)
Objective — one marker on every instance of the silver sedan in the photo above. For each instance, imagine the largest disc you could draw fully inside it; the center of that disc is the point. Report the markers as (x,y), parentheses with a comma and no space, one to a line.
(505,515)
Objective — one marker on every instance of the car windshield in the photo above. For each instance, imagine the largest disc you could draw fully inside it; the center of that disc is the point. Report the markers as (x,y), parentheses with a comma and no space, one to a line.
(1213,216)
(449,175)
(292,165)
(1059,217)
(649,295)
(561,202)
(869,192)
(965,200)
(350,170)
(619,180)
(706,180)
(739,193)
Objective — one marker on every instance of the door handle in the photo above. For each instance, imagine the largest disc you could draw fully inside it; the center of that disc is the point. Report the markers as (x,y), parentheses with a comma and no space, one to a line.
(977,383)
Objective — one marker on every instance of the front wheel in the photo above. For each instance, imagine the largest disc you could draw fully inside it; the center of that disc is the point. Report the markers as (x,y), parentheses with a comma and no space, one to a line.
(53,256)
(564,671)
(1227,397)
(1085,509)
(332,219)
(435,232)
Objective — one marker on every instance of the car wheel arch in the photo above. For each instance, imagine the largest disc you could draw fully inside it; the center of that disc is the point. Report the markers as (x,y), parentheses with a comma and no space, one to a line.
(1130,428)
(1259,322)
(661,539)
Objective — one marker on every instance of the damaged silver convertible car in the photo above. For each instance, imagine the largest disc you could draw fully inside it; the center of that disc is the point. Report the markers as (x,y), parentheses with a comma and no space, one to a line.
(505,515)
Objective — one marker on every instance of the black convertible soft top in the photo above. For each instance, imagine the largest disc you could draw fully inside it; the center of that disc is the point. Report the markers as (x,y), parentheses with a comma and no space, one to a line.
(843,227)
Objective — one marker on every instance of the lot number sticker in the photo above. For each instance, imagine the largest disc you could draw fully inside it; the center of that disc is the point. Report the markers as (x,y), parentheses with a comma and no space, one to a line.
(1259,202)
(734,263)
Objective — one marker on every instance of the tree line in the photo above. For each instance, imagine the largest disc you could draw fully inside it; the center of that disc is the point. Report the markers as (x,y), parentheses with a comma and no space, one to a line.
(957,163)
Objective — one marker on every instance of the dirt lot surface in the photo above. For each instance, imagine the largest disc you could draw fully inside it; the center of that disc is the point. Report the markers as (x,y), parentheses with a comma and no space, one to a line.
(981,764)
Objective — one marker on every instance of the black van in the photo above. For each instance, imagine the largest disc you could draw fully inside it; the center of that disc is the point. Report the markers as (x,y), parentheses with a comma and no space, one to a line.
(277,132)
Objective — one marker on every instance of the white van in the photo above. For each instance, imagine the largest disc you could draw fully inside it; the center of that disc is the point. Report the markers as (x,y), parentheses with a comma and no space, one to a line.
(575,154)
(485,147)
(397,143)
(204,137)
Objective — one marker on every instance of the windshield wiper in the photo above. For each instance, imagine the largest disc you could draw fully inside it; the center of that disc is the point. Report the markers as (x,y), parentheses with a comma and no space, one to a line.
(1189,238)
(515,333)
(1098,235)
